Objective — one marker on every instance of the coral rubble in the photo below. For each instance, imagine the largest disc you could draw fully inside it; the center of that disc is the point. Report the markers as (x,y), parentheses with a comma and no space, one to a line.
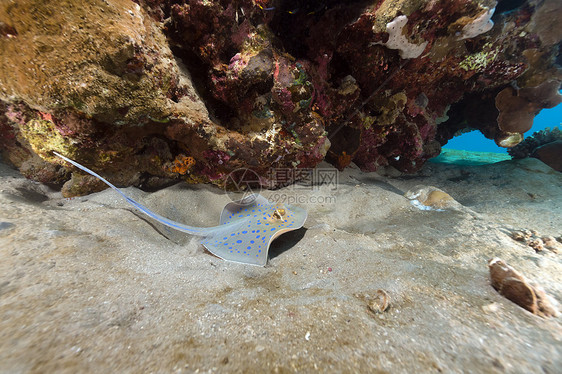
(536,241)
(209,86)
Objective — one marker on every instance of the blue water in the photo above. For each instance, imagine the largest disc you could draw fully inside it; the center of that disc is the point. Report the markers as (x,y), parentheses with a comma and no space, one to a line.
(476,142)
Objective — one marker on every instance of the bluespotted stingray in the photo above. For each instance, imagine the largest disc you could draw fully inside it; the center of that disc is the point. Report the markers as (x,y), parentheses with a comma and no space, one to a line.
(246,227)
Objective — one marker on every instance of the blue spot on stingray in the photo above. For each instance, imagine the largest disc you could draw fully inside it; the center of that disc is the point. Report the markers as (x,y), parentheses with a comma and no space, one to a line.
(244,232)
(273,229)
(249,247)
(257,237)
(239,241)
(251,242)
(224,238)
(232,234)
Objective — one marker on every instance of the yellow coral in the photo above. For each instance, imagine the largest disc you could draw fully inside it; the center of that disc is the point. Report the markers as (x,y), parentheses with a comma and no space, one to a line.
(45,138)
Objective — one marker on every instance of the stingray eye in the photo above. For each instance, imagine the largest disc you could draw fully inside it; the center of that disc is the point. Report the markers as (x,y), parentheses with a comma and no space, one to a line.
(279,213)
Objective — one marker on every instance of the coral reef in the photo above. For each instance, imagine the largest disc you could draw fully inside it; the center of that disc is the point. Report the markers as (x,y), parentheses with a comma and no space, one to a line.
(550,154)
(156,90)
(544,145)
(518,107)
(397,40)
(542,137)
(116,98)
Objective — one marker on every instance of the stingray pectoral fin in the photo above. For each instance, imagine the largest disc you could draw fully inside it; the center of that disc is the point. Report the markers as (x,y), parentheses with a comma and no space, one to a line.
(250,243)
(251,207)
(243,252)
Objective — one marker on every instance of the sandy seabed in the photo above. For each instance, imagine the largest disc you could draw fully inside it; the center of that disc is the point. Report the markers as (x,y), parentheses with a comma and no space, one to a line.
(90,285)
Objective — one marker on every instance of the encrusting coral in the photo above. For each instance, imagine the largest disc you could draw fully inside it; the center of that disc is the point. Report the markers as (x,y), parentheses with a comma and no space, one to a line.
(182,164)
(132,87)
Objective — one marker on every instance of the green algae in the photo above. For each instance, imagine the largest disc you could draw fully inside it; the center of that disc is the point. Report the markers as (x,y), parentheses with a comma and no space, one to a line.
(479,61)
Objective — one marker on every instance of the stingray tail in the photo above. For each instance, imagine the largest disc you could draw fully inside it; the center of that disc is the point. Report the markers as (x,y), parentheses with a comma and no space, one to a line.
(199,231)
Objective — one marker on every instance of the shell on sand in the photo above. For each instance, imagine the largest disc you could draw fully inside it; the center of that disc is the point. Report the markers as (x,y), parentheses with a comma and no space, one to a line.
(431,198)
(513,286)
